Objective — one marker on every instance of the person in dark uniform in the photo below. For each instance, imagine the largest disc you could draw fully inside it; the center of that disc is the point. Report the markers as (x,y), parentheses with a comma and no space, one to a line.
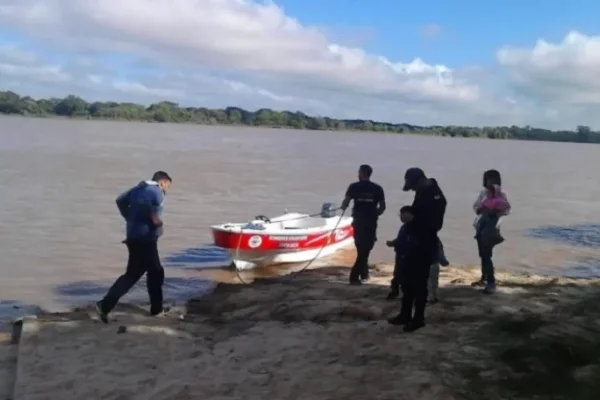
(368,204)
(429,208)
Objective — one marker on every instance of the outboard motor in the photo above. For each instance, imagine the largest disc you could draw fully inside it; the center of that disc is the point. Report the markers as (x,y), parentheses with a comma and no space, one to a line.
(328,210)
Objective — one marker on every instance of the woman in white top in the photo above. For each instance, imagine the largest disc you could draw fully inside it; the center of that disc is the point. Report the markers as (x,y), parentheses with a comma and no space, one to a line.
(485,245)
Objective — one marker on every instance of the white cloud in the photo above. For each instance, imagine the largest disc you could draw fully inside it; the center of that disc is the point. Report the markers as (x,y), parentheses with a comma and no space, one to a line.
(137,88)
(266,58)
(559,78)
(566,72)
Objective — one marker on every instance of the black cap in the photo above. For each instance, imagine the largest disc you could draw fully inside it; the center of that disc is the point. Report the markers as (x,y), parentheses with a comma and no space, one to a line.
(412,176)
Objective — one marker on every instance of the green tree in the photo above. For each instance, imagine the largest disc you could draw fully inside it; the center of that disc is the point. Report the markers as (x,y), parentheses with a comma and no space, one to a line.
(166,111)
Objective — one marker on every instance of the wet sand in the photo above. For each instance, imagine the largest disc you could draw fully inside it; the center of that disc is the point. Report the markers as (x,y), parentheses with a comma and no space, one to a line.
(312,336)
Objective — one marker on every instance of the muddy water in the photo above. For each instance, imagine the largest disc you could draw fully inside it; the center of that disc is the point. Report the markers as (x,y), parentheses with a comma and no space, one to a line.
(60,232)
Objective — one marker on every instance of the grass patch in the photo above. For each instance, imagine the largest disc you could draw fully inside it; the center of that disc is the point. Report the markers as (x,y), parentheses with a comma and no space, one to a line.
(533,357)
(520,326)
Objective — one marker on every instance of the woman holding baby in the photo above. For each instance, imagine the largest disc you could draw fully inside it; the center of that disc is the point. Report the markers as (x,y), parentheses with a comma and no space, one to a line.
(491,205)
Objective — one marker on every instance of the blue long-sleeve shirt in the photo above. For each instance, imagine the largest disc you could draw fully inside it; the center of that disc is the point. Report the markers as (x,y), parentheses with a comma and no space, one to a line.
(402,244)
(137,205)
(402,241)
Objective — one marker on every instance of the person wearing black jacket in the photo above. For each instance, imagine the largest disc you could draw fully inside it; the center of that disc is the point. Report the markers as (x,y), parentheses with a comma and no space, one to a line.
(369,203)
(429,208)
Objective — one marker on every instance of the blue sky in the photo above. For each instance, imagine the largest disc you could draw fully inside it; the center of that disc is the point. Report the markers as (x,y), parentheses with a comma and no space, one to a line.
(459,62)
(470,30)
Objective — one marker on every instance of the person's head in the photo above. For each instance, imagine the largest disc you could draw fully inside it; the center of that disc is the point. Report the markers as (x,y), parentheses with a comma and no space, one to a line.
(406,214)
(491,177)
(364,172)
(413,179)
(163,179)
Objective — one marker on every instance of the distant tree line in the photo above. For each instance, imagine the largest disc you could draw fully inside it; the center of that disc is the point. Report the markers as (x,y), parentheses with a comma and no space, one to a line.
(165,111)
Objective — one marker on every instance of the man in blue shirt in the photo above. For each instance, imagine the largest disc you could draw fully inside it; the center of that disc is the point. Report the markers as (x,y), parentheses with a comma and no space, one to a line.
(142,208)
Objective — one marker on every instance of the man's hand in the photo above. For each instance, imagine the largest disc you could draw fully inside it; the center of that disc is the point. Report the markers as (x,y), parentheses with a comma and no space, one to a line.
(156,221)
(345,203)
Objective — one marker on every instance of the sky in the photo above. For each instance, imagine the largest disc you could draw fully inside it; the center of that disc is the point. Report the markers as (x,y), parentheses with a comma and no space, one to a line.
(459,62)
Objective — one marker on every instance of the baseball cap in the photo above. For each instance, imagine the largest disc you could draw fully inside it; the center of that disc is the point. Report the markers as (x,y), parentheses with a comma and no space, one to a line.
(411,177)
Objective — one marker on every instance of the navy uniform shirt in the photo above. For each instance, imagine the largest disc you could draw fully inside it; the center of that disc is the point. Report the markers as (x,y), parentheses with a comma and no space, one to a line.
(428,208)
(137,206)
(366,196)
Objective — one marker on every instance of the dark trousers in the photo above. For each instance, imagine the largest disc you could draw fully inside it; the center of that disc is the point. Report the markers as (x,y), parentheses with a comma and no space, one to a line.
(143,259)
(398,273)
(365,235)
(415,280)
(485,249)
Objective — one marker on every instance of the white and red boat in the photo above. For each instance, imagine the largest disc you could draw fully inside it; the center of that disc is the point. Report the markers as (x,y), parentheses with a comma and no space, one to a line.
(288,238)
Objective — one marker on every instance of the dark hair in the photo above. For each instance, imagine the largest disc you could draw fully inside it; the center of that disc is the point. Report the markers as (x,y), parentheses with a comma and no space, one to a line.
(406,209)
(492,174)
(366,169)
(160,176)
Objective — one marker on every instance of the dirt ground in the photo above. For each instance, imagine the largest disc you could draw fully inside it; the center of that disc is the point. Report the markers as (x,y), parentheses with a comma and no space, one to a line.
(312,336)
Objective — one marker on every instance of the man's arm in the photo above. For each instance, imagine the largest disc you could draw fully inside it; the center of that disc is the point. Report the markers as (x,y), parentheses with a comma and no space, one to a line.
(381,202)
(155,204)
(123,201)
(347,198)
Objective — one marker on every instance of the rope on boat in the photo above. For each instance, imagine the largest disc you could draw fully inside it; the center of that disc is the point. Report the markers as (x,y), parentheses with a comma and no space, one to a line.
(308,264)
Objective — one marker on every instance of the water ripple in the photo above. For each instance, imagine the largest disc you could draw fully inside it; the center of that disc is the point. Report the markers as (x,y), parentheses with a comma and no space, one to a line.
(207,256)
(583,235)
(175,289)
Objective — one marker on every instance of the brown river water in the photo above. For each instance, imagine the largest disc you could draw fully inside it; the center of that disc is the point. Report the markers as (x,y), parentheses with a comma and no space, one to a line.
(60,231)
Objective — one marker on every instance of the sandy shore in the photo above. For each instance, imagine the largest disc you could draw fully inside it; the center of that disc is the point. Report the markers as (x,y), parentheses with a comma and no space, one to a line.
(311,336)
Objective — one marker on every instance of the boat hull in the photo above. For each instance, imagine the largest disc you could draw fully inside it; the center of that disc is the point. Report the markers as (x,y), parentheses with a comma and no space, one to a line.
(278,244)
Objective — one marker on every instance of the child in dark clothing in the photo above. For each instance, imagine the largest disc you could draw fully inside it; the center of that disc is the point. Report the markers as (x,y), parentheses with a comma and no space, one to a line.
(400,245)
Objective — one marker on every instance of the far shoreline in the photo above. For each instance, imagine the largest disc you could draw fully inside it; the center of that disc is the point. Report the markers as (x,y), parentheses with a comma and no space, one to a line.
(75,107)
(287,128)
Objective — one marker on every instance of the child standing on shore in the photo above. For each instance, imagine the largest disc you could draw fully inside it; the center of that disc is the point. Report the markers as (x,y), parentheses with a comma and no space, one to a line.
(401,245)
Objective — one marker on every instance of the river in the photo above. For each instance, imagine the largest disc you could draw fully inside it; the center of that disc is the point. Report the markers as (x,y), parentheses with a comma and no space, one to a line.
(60,230)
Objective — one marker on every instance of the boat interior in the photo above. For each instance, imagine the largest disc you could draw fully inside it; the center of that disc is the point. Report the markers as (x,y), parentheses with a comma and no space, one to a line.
(288,222)
(304,223)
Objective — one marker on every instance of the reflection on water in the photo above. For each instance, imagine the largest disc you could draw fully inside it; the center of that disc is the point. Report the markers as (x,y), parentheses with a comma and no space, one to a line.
(586,235)
(175,290)
(207,256)
(578,235)
(10,310)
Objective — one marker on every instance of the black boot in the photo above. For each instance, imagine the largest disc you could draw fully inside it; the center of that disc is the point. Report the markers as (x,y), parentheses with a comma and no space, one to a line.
(393,295)
(414,325)
(399,320)
(405,314)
